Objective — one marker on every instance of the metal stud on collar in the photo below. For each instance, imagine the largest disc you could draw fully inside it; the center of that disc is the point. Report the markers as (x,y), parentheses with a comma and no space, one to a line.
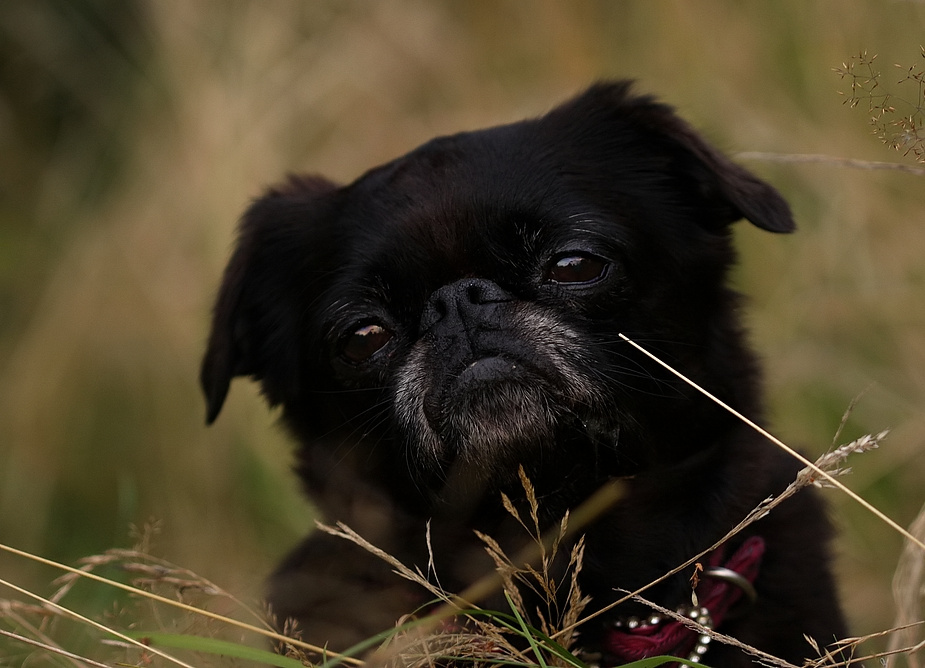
(724,598)
(636,622)
(697,614)
(702,616)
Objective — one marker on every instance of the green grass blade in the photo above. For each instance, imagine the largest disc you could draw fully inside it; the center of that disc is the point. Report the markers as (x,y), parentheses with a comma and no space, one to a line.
(217,647)
(525,631)
(517,624)
(655,661)
(373,641)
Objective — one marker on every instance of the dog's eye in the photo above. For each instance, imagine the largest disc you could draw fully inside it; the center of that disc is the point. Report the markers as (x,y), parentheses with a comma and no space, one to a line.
(576,268)
(365,342)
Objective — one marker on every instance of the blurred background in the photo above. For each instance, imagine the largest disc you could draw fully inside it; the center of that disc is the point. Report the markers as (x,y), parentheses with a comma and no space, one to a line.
(133,133)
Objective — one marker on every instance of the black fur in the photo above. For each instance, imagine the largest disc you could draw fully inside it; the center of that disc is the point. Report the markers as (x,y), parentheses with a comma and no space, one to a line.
(455,313)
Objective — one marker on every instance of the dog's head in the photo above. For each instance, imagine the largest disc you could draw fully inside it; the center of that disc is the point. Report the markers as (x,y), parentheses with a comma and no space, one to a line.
(459,309)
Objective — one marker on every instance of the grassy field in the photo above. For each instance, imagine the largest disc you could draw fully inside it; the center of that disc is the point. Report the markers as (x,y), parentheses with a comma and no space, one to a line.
(133,134)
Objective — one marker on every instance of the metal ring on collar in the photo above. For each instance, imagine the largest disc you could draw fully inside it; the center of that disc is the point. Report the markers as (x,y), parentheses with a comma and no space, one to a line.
(730,576)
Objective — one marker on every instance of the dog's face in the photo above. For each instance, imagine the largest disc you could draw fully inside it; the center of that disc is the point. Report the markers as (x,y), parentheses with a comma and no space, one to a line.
(456,313)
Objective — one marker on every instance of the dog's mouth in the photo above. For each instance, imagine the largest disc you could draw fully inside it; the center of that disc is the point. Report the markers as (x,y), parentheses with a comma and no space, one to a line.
(496,399)
(480,380)
(486,370)
(495,407)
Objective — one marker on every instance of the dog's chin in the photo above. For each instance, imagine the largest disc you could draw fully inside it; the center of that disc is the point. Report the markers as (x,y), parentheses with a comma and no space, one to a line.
(501,423)
(491,418)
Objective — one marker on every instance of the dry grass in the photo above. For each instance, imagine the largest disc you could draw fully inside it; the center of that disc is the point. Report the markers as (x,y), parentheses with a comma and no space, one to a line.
(898,118)
(458,631)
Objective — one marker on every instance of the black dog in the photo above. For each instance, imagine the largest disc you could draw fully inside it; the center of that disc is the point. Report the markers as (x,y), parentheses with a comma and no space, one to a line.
(456,314)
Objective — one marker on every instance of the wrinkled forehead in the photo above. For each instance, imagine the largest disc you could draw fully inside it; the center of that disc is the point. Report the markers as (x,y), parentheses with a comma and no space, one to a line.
(454,197)
(487,169)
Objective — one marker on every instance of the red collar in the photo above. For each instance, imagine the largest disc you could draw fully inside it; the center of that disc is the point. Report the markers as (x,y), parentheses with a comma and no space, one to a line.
(720,587)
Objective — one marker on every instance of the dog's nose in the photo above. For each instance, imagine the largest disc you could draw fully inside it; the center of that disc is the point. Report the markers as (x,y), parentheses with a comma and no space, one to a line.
(466,302)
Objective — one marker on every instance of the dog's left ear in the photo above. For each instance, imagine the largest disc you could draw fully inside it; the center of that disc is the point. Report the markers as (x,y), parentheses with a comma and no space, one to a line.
(723,191)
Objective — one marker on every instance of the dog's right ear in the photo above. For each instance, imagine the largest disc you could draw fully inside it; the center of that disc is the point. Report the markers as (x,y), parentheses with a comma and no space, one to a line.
(285,239)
